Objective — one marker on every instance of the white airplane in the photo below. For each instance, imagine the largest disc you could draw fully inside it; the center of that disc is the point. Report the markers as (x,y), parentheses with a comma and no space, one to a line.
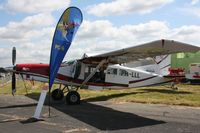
(108,70)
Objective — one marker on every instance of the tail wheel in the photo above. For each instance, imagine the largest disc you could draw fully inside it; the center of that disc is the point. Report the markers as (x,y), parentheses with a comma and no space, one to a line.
(73,98)
(57,94)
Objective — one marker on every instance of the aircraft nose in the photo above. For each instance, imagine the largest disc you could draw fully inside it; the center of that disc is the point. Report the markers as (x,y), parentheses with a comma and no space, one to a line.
(22,67)
(14,68)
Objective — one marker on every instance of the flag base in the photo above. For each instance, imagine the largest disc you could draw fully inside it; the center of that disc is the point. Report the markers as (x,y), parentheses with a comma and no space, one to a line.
(31,120)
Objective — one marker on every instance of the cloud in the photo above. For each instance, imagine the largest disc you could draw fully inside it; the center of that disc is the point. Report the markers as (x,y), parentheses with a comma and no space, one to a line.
(27,52)
(1,7)
(189,34)
(32,37)
(194,2)
(192,10)
(35,6)
(118,7)
(96,29)
(104,30)
(29,27)
(96,37)
(5,57)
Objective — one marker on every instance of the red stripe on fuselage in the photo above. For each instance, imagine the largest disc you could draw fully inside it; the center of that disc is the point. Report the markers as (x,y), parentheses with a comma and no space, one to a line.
(135,81)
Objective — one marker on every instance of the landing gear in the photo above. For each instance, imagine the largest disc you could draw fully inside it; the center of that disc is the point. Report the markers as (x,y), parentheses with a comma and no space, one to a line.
(72,97)
(57,94)
(173,86)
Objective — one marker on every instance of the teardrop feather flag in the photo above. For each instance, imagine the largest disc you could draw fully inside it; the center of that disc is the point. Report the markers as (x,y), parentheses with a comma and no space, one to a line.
(65,31)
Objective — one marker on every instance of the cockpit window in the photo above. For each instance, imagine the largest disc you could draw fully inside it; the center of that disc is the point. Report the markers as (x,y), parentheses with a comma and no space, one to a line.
(68,62)
(112,71)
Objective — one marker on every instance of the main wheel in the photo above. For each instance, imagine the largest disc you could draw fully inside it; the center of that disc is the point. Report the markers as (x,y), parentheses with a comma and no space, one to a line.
(57,94)
(73,98)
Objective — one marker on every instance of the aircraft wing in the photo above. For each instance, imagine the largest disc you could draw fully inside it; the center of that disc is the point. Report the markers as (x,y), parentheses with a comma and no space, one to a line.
(151,49)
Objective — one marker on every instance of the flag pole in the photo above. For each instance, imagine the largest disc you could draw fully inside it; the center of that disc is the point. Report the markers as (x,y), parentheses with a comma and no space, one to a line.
(49,102)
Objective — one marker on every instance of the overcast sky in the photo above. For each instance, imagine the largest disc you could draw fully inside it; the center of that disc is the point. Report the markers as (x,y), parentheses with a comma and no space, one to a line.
(108,25)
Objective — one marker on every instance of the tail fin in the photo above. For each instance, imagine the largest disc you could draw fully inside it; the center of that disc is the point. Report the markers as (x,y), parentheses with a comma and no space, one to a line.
(164,63)
(159,65)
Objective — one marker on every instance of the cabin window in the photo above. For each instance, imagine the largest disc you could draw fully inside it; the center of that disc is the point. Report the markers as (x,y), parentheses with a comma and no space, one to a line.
(112,71)
(123,72)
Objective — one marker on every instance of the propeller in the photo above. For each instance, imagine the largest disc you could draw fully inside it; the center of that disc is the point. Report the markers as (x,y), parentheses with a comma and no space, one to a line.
(13,56)
(14,68)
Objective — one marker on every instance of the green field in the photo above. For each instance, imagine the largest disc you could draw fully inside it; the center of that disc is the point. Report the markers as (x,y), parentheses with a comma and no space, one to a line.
(188,95)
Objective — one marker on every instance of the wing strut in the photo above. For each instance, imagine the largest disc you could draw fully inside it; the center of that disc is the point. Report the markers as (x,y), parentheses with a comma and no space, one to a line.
(92,74)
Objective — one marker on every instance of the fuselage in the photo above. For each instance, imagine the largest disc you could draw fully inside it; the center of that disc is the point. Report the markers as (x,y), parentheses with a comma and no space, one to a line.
(74,73)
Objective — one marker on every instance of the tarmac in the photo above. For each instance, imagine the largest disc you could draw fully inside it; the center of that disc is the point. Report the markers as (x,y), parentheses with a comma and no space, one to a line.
(96,117)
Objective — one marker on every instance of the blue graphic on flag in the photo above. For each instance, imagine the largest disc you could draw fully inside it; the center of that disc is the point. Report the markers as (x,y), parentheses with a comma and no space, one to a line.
(65,31)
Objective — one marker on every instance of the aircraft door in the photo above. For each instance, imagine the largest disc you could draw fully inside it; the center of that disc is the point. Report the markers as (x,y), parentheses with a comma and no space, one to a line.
(111,75)
(76,69)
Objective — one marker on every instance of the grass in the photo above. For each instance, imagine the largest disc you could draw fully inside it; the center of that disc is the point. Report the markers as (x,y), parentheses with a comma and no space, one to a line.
(188,95)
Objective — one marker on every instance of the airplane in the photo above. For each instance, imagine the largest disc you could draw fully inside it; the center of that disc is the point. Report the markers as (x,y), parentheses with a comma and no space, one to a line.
(108,70)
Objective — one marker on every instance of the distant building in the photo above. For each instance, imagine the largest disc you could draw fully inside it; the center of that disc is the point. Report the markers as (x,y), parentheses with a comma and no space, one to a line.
(184,59)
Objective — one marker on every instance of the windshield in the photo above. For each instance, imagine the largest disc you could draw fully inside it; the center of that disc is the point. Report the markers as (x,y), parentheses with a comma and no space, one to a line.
(68,62)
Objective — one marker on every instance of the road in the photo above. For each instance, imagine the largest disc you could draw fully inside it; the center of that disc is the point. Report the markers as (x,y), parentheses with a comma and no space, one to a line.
(104,116)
